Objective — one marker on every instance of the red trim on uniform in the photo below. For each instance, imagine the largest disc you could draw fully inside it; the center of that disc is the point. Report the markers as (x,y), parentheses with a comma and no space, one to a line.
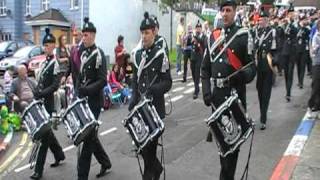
(233,59)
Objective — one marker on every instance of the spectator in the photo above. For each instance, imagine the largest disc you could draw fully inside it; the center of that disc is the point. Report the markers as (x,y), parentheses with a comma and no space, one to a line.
(75,63)
(8,77)
(127,69)
(119,51)
(62,55)
(22,89)
(314,101)
(180,34)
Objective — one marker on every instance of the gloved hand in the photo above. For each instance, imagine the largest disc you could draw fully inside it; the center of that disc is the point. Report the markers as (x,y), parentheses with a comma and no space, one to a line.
(83,92)
(207,99)
(37,94)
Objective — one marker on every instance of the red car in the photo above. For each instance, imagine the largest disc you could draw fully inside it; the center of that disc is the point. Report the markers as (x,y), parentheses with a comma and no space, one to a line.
(35,63)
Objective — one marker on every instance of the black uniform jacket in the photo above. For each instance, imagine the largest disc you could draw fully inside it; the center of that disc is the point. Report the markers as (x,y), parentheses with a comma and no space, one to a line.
(151,65)
(48,82)
(92,76)
(222,68)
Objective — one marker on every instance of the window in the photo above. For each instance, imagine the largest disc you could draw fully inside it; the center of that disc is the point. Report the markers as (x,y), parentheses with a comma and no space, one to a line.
(3,8)
(74,4)
(6,36)
(45,5)
(28,7)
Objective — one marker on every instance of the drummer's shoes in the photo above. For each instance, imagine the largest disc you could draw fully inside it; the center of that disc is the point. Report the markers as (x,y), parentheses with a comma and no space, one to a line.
(195,96)
(288,98)
(35,176)
(57,163)
(103,171)
(263,126)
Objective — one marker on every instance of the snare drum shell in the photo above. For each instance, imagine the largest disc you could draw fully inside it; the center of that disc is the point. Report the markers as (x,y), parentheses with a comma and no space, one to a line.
(41,119)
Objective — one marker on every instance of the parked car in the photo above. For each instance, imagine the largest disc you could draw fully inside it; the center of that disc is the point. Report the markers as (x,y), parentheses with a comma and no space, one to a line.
(34,63)
(8,48)
(23,55)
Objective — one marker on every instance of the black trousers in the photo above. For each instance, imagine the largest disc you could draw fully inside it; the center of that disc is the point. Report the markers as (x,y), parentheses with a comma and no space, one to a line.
(302,58)
(264,88)
(186,58)
(195,70)
(288,72)
(279,60)
(314,101)
(48,141)
(309,64)
(91,145)
(152,165)
(229,166)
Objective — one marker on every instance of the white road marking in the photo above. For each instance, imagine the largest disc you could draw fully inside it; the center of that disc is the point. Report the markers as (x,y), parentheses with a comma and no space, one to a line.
(190,84)
(67,149)
(174,99)
(178,89)
(180,79)
(108,131)
(189,91)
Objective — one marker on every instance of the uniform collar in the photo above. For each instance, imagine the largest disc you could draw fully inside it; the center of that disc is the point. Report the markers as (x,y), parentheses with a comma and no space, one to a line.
(49,57)
(148,50)
(90,49)
(230,28)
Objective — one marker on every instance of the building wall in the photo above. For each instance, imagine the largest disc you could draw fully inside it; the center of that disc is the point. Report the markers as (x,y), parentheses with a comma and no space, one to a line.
(125,18)
(7,23)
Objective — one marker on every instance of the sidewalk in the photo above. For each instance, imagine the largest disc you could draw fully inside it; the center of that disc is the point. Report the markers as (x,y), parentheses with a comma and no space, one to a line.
(308,167)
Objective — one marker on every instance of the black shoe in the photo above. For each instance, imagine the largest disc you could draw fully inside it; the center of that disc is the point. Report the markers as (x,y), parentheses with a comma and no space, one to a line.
(263,126)
(195,96)
(184,80)
(103,171)
(288,98)
(36,176)
(57,162)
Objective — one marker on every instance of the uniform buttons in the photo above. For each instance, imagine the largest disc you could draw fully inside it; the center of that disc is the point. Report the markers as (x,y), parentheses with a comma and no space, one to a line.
(220,60)
(153,69)
(149,50)
(219,74)
(143,84)
(232,50)
(226,97)
(264,44)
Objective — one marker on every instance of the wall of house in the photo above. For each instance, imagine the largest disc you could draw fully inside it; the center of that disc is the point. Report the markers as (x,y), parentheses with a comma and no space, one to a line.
(7,23)
(125,18)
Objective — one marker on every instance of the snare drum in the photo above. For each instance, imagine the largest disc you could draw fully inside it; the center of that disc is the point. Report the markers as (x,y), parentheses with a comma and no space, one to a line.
(144,124)
(230,124)
(79,120)
(36,119)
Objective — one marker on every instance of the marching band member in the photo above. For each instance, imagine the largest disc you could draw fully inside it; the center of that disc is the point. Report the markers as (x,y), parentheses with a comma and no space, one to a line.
(235,56)
(90,83)
(289,51)
(151,75)
(48,82)
(265,38)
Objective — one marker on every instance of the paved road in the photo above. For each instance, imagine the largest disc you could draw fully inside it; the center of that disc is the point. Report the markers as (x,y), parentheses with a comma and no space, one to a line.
(187,155)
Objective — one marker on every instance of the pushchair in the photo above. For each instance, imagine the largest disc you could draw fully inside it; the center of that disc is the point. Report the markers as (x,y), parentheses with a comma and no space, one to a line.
(115,95)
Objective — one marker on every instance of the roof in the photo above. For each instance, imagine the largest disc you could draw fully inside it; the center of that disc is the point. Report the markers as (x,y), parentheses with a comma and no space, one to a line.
(49,17)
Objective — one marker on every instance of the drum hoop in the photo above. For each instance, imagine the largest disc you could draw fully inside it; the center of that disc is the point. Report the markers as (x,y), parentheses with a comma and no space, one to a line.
(82,129)
(72,105)
(225,105)
(136,107)
(29,106)
(144,137)
(241,141)
(38,128)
